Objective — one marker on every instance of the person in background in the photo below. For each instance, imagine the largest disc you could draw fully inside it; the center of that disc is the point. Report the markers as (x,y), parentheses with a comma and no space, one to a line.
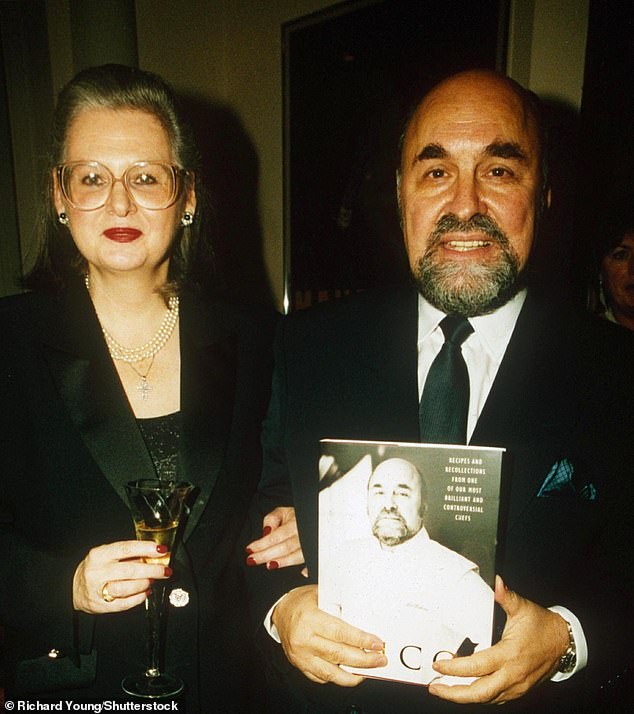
(612,295)
(120,365)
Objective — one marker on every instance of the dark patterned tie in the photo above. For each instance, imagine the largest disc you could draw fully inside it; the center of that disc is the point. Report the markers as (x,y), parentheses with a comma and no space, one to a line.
(444,405)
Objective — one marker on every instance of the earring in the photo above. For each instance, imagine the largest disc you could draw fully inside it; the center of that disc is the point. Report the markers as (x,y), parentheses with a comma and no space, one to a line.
(187,219)
(63,219)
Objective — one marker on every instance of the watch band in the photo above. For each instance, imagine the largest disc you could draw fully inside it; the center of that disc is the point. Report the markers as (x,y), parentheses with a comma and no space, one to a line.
(568,660)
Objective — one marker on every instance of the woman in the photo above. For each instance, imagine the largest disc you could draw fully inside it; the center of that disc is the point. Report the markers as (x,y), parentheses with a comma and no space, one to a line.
(115,368)
(617,281)
(613,295)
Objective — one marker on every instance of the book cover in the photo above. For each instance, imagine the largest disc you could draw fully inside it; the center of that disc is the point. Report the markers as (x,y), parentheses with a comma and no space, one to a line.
(407,547)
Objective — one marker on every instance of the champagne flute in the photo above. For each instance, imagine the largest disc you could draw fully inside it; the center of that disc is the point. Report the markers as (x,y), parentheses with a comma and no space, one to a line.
(156,508)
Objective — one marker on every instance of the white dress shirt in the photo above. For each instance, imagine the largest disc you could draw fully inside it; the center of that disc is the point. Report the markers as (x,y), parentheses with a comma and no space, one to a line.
(483,350)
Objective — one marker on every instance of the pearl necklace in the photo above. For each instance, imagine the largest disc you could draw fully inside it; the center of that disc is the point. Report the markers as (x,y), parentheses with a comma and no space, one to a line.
(132,355)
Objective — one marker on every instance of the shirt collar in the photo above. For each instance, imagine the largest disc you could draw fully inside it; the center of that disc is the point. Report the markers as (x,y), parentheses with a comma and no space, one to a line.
(494,330)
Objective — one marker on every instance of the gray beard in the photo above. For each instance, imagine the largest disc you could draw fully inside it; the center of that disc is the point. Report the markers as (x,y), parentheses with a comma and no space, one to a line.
(392,537)
(463,288)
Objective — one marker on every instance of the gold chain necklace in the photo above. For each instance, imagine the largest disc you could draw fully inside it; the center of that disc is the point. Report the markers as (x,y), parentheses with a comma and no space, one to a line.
(144,387)
(132,355)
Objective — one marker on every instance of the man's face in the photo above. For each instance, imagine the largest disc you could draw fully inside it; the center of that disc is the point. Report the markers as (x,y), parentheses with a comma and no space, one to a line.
(395,505)
(469,189)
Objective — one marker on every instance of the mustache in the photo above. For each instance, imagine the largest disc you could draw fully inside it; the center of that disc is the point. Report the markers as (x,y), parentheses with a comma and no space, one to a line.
(391,513)
(450,223)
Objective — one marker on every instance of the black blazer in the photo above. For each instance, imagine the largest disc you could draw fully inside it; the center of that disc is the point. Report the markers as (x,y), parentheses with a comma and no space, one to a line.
(69,442)
(561,398)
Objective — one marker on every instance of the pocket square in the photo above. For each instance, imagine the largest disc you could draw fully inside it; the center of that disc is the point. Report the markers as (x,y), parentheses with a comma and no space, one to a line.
(559,482)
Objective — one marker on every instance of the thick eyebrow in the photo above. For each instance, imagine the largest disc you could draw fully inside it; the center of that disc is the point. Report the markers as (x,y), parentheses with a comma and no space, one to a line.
(505,150)
(497,149)
(432,151)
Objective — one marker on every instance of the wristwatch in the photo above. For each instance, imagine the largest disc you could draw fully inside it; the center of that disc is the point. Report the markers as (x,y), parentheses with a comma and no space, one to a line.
(568,659)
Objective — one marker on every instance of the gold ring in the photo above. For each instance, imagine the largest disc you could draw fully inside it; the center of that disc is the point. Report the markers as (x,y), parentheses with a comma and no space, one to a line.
(106,596)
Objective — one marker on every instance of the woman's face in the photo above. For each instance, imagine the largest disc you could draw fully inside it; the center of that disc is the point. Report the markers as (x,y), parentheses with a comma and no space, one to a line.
(617,269)
(122,237)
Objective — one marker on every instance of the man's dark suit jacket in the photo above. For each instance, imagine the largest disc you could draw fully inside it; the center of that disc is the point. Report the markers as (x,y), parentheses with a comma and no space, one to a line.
(561,400)
(69,442)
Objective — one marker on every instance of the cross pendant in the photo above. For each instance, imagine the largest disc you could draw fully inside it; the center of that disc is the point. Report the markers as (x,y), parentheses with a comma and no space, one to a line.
(144,388)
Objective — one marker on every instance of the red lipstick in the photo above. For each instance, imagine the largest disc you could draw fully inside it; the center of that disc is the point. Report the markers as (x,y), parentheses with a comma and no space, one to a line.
(122,235)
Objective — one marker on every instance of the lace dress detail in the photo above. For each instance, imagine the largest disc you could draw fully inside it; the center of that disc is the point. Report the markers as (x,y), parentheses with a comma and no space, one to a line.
(162,436)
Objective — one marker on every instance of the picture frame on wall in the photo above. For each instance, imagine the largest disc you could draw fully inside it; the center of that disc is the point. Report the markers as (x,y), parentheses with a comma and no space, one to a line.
(351,75)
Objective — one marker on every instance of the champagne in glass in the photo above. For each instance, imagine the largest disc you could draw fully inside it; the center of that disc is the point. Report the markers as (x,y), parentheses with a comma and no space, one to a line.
(161,535)
(156,508)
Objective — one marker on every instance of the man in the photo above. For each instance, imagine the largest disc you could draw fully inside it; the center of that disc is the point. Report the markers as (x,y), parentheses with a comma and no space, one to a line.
(425,600)
(541,383)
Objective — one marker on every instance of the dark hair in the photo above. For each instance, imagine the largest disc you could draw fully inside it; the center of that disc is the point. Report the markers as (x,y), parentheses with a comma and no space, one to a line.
(114,86)
(604,231)
(616,217)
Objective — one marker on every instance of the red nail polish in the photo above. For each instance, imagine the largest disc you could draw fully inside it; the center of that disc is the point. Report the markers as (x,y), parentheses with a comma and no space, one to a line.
(168,571)
(249,551)
(266,530)
(251,561)
(151,581)
(272,565)
(161,549)
(148,592)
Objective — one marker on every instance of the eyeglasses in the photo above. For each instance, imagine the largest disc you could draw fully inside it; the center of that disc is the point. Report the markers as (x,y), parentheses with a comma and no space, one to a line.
(87,185)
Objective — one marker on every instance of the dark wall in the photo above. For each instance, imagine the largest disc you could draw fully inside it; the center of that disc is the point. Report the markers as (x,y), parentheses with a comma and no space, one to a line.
(26,105)
(606,148)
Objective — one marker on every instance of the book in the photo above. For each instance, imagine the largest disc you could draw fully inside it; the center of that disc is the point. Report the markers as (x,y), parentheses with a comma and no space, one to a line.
(407,548)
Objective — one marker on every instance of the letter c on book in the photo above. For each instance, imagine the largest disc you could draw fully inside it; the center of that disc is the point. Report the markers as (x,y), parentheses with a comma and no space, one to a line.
(403,656)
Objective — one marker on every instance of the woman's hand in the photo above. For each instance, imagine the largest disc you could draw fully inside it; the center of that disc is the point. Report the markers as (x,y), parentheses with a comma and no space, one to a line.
(279,546)
(117,576)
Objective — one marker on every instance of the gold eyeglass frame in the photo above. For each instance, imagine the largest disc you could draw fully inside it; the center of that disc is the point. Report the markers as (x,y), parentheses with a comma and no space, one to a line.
(177,173)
